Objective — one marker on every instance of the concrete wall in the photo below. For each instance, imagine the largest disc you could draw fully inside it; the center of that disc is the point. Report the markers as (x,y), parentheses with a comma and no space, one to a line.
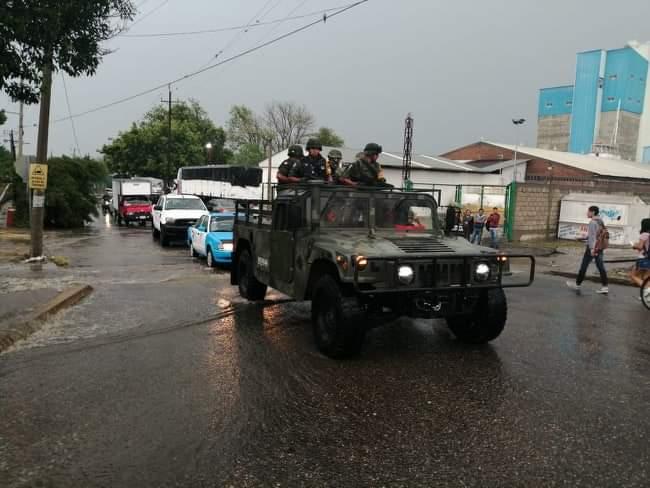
(628,132)
(537,201)
(553,132)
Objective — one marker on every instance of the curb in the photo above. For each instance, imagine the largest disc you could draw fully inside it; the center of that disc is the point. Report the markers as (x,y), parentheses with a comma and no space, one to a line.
(595,279)
(67,298)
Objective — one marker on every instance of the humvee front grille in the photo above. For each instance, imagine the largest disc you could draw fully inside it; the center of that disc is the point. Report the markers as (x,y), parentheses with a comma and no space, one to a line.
(449,273)
(419,245)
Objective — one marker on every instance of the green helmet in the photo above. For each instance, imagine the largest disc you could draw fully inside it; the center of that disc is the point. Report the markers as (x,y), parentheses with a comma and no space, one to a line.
(335,154)
(314,144)
(296,151)
(372,148)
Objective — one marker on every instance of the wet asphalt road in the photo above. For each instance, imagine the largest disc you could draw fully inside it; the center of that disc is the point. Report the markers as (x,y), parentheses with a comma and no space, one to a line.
(165,378)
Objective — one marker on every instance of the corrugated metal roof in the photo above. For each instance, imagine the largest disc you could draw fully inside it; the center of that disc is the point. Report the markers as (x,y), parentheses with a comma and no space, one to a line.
(618,168)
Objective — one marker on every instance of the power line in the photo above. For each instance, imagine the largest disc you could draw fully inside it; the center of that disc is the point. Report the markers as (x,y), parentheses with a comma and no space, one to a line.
(215,65)
(238,35)
(148,14)
(232,28)
(273,29)
(67,101)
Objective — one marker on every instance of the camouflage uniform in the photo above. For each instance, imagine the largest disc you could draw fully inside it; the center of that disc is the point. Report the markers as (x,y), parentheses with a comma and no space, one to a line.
(334,159)
(365,172)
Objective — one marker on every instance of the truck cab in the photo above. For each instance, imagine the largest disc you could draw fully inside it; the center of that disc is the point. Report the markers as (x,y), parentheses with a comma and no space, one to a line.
(362,252)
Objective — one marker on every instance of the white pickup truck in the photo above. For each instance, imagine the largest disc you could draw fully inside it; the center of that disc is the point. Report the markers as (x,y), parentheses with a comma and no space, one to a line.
(173,214)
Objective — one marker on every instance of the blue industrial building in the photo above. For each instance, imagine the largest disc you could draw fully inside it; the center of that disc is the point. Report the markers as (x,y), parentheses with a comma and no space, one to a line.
(606,110)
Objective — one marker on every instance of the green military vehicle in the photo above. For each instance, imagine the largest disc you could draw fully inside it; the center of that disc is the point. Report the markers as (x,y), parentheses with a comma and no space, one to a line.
(363,255)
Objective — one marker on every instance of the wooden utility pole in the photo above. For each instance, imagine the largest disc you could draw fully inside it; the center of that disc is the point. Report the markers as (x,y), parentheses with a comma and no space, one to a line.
(169,177)
(21,116)
(38,203)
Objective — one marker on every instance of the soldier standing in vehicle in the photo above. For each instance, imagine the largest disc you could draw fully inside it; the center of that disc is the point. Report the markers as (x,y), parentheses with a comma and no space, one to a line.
(314,163)
(334,158)
(365,171)
(291,170)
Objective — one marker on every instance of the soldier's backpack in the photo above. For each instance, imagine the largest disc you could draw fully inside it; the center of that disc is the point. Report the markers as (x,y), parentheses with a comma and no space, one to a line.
(602,237)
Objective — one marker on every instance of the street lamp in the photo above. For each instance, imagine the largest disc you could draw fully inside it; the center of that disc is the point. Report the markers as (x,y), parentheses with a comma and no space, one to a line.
(208,148)
(517,123)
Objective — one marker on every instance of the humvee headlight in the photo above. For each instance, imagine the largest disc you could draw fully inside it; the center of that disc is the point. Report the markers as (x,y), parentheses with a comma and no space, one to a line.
(405,274)
(482,272)
(361,262)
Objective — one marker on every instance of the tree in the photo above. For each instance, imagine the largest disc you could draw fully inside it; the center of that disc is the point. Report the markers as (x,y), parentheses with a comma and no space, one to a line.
(143,150)
(248,155)
(245,128)
(67,35)
(3,117)
(288,123)
(328,137)
(70,196)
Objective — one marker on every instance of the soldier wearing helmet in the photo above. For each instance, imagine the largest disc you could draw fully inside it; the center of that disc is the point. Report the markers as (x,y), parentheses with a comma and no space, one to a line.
(365,171)
(334,158)
(291,170)
(314,163)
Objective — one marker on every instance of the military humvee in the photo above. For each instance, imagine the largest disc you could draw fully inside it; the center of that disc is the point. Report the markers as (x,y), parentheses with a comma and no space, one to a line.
(365,254)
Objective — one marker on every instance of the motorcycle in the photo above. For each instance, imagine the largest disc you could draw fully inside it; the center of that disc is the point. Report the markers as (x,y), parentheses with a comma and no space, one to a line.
(106,204)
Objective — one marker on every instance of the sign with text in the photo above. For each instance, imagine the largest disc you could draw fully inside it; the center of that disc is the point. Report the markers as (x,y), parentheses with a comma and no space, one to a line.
(38,176)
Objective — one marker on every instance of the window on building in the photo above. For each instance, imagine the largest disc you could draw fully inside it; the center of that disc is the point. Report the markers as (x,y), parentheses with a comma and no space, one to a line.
(632,76)
(569,103)
(549,104)
(613,77)
(611,99)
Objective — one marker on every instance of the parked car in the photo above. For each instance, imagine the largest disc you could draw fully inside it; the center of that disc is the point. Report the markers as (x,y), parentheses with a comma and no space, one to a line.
(211,237)
(173,214)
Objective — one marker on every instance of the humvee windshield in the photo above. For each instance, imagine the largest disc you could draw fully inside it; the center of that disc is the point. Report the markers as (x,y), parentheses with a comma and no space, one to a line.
(405,215)
(401,214)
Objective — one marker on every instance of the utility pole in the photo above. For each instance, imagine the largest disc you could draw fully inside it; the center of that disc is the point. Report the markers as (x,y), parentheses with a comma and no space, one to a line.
(517,123)
(169,177)
(408,149)
(38,210)
(21,114)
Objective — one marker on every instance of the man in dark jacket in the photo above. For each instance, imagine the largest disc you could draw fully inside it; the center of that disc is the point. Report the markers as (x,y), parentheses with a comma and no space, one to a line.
(450,219)
(314,163)
(291,170)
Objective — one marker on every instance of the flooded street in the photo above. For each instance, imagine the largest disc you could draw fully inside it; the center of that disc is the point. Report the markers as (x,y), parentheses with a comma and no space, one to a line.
(165,377)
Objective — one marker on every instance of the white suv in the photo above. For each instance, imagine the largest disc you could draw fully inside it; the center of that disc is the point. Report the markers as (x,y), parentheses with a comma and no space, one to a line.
(173,214)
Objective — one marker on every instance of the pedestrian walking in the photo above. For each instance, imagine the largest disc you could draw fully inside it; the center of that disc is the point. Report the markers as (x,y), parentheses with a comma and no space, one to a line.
(479,223)
(468,224)
(492,226)
(597,242)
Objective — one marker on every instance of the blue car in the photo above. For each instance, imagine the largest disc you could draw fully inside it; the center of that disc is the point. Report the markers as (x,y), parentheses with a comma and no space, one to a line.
(211,237)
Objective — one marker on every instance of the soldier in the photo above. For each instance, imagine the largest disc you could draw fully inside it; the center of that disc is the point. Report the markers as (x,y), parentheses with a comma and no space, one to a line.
(314,164)
(291,170)
(365,171)
(334,158)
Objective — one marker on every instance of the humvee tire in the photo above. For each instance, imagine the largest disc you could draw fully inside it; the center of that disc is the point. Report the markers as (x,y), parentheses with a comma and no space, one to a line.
(249,287)
(486,322)
(338,327)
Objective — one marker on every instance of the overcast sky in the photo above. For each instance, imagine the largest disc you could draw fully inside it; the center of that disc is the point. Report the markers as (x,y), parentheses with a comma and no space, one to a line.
(463,68)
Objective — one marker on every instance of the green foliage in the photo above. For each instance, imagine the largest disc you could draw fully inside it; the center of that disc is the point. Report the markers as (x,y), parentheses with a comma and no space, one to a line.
(248,155)
(245,128)
(328,137)
(7,170)
(70,196)
(3,117)
(66,33)
(142,150)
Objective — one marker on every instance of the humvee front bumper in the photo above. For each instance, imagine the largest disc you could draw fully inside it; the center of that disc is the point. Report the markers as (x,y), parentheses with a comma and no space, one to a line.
(442,286)
(444,273)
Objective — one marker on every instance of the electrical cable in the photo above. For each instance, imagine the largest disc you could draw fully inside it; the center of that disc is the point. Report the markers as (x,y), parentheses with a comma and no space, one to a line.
(67,101)
(236,27)
(274,28)
(213,66)
(148,14)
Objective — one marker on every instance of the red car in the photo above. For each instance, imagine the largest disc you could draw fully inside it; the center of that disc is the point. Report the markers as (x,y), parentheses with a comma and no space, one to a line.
(134,209)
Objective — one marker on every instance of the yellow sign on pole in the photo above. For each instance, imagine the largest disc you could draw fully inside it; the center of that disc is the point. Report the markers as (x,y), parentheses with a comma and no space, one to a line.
(38,176)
